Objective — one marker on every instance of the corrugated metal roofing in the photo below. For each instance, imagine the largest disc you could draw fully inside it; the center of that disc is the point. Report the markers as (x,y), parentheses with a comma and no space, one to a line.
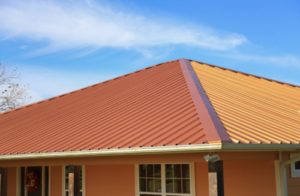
(252,109)
(151,107)
(177,103)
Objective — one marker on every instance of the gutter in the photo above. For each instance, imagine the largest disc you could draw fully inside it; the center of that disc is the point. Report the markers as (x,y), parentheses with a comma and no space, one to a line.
(260,147)
(117,152)
(195,148)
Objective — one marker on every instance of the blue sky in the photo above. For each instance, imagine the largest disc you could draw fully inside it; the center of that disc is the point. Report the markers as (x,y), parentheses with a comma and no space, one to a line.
(59,46)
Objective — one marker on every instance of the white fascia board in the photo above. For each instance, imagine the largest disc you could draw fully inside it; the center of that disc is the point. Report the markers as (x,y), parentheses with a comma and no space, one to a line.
(227,147)
(117,152)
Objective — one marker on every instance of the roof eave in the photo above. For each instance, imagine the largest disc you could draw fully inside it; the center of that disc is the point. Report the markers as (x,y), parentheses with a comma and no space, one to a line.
(196,148)
(117,152)
(259,147)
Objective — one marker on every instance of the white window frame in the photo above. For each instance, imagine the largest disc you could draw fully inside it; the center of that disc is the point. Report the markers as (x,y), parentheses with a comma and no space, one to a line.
(64,180)
(163,180)
(295,173)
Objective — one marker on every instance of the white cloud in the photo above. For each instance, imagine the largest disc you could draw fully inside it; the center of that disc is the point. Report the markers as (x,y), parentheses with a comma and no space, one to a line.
(87,24)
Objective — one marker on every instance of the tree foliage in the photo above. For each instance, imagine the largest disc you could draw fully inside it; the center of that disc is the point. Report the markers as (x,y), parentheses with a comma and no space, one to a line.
(12,93)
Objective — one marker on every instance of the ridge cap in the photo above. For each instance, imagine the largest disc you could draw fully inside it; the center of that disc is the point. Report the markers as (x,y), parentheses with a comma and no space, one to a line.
(213,127)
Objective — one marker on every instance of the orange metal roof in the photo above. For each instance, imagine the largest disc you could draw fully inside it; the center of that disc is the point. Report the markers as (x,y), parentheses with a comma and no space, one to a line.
(252,109)
(151,107)
(178,103)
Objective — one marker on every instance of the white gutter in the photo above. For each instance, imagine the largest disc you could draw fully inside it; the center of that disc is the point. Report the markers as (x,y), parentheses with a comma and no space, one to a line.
(117,152)
(156,150)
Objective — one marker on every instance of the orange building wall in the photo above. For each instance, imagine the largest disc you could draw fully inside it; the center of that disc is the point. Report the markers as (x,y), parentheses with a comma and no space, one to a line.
(110,180)
(201,178)
(293,184)
(249,177)
(56,180)
(11,181)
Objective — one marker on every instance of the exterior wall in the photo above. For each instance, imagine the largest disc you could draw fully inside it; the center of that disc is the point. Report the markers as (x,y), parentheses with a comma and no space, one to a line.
(293,184)
(112,180)
(253,174)
(201,178)
(249,177)
(11,181)
(56,180)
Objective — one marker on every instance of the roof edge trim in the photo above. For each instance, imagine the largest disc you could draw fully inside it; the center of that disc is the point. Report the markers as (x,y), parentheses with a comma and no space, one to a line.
(260,147)
(117,152)
(154,150)
(212,126)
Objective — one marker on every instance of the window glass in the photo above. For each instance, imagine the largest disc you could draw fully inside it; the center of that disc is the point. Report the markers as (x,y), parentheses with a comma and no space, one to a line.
(74,172)
(177,180)
(297,165)
(150,178)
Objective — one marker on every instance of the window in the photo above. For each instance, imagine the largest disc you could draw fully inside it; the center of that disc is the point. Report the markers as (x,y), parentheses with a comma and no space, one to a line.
(164,180)
(295,167)
(34,181)
(73,180)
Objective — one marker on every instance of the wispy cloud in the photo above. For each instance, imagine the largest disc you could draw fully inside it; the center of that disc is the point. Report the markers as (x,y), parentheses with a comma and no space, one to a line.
(87,24)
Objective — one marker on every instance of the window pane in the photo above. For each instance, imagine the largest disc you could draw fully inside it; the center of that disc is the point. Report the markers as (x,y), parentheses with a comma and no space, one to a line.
(177,186)
(177,171)
(76,173)
(169,186)
(150,185)
(186,186)
(185,171)
(142,171)
(177,178)
(157,171)
(143,185)
(169,171)
(150,170)
(157,185)
(297,165)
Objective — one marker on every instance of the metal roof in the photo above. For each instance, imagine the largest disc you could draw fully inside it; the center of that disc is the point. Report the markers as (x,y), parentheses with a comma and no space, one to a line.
(179,104)
(151,107)
(253,109)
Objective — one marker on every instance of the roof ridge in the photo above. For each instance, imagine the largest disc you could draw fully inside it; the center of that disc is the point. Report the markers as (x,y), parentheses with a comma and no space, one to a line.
(87,87)
(248,74)
(213,127)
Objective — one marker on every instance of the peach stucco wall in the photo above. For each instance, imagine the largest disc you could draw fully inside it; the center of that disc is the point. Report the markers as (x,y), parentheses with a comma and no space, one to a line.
(253,174)
(110,180)
(294,186)
(11,181)
(249,177)
(201,178)
(56,180)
